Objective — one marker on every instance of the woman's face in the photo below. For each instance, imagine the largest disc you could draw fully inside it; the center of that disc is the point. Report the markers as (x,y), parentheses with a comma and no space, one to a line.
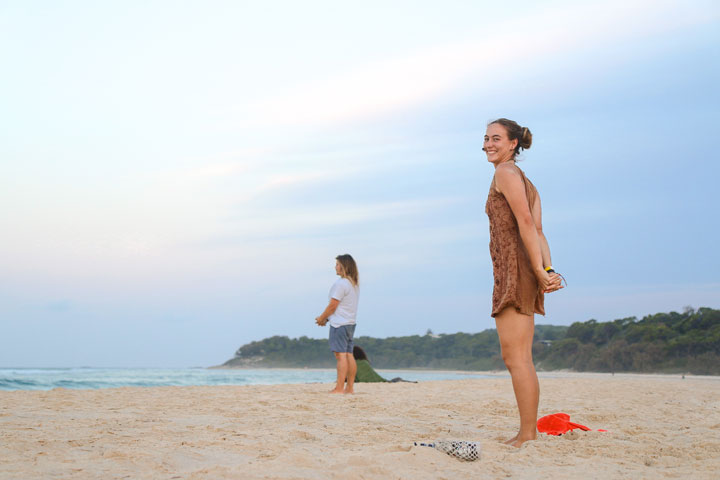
(339,268)
(498,147)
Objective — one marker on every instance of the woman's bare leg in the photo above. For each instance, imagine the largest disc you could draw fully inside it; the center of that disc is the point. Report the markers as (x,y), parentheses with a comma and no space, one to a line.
(351,372)
(515,332)
(342,371)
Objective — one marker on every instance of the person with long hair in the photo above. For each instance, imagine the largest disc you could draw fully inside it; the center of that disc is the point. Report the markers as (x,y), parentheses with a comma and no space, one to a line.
(366,373)
(341,312)
(522,269)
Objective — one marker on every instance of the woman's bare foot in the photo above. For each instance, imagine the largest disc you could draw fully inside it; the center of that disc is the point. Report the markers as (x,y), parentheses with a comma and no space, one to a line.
(511,441)
(519,440)
(349,392)
(335,390)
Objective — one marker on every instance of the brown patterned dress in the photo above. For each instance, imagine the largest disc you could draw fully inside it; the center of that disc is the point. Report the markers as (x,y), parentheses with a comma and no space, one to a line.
(515,283)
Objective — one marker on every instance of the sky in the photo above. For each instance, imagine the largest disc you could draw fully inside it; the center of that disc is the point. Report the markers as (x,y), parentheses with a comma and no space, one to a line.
(177,178)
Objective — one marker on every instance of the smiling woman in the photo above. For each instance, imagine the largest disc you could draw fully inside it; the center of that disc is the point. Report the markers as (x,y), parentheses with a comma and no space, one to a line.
(521,265)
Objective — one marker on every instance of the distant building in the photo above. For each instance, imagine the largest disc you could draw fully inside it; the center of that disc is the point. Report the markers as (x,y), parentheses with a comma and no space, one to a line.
(430,334)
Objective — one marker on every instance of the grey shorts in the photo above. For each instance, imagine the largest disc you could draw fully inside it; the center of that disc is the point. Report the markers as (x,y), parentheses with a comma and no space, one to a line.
(341,338)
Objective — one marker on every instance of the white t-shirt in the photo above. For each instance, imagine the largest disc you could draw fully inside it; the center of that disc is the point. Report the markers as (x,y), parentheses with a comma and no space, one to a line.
(346,313)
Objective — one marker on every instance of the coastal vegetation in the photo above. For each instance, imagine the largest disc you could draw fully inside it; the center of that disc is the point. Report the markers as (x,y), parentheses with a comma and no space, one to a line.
(687,342)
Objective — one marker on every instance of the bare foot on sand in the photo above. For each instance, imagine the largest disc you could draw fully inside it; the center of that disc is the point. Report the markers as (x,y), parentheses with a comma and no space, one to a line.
(335,390)
(349,392)
(518,440)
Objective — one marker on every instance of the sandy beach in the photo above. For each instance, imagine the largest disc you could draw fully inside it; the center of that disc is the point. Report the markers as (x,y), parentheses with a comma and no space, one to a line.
(658,427)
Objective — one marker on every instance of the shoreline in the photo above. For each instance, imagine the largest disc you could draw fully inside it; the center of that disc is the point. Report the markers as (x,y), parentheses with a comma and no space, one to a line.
(540,373)
(498,373)
(319,369)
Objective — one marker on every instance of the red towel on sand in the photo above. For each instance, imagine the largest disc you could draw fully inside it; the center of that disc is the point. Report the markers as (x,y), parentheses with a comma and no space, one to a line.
(557,424)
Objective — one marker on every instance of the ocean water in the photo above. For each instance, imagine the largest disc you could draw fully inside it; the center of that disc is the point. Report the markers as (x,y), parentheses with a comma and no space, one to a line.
(93,378)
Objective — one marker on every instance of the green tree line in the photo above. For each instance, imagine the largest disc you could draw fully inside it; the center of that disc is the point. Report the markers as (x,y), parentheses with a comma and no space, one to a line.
(664,342)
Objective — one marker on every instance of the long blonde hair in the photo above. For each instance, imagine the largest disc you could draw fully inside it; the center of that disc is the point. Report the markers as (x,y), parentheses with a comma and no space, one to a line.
(349,267)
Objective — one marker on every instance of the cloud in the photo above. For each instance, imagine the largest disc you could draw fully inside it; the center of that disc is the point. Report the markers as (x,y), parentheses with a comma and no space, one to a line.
(293,220)
(59,306)
(393,84)
(245,175)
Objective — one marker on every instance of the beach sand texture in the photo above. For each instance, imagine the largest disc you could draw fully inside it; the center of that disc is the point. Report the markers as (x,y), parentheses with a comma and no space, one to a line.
(659,427)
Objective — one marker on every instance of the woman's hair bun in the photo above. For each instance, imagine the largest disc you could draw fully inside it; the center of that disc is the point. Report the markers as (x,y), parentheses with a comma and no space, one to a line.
(525,139)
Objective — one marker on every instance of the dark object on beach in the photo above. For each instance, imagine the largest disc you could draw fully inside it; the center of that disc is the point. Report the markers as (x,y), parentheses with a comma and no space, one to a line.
(398,379)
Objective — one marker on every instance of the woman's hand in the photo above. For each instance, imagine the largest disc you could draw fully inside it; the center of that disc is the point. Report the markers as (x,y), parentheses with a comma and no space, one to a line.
(555,283)
(329,310)
(549,282)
